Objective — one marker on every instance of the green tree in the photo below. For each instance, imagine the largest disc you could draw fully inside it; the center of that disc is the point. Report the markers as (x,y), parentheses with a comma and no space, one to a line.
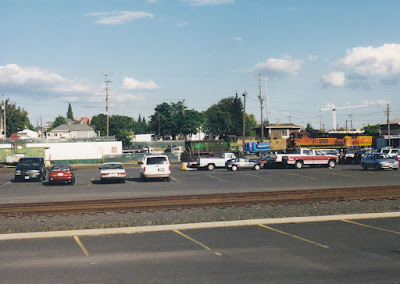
(141,127)
(372,129)
(251,122)
(120,126)
(173,119)
(16,119)
(100,123)
(59,121)
(225,117)
(70,115)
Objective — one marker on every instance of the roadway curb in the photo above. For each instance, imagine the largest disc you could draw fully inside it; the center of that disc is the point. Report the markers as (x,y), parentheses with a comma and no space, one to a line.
(220,224)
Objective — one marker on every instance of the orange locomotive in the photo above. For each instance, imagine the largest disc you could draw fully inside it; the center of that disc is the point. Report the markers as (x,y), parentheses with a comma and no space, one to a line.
(303,139)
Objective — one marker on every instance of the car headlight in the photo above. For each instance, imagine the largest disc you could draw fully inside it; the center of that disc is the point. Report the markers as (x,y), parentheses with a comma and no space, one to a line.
(18,173)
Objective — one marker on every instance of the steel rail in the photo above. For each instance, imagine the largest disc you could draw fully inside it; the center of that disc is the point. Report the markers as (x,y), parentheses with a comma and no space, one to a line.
(197,201)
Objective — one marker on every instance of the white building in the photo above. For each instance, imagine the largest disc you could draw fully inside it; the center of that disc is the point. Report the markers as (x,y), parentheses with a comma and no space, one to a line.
(27,134)
(72,130)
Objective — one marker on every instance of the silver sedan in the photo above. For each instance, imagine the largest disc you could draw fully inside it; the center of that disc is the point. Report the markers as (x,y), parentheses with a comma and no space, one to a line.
(378,161)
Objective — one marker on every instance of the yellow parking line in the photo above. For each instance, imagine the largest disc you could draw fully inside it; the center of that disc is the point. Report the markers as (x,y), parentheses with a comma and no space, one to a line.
(197,242)
(217,178)
(293,236)
(260,177)
(301,176)
(78,241)
(372,227)
(5,183)
(174,179)
(91,182)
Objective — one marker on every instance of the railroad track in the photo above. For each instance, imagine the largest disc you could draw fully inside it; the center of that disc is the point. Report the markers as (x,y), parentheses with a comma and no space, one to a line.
(197,201)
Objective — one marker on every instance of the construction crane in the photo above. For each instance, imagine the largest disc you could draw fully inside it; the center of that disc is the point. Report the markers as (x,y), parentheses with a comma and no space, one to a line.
(334,108)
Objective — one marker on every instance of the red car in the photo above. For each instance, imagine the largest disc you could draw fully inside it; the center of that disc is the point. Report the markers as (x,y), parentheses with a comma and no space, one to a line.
(61,174)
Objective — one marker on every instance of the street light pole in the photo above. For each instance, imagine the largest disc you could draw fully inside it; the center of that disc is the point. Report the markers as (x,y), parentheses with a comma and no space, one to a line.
(244,120)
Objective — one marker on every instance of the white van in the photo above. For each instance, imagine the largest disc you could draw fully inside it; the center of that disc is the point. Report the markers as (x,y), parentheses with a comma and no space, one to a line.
(155,166)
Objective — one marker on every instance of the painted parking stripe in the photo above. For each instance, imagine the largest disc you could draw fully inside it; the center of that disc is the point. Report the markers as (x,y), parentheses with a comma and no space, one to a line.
(255,176)
(302,176)
(293,236)
(91,182)
(196,242)
(371,227)
(7,183)
(217,178)
(78,241)
(174,179)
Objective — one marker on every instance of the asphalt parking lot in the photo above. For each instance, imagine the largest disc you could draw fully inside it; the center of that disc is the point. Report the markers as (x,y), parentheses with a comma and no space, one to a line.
(88,184)
(351,251)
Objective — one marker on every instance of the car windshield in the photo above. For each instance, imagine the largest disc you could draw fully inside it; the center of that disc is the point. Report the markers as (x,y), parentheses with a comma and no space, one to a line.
(381,156)
(60,168)
(156,160)
(29,162)
(112,166)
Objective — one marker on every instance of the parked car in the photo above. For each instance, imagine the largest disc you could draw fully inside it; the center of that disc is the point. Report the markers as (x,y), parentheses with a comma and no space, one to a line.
(392,152)
(349,157)
(379,161)
(61,174)
(265,161)
(30,168)
(155,166)
(330,152)
(242,163)
(112,171)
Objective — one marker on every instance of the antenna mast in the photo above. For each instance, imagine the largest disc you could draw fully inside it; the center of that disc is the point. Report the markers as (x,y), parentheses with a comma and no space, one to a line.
(108,119)
(261,105)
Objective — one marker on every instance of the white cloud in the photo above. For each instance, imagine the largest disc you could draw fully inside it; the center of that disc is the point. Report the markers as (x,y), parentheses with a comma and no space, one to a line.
(119,17)
(366,67)
(33,79)
(181,25)
(238,38)
(376,103)
(128,98)
(208,2)
(337,79)
(312,57)
(383,60)
(273,67)
(133,84)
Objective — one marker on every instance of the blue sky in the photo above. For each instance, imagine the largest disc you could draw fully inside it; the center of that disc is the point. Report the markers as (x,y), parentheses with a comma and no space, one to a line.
(310,55)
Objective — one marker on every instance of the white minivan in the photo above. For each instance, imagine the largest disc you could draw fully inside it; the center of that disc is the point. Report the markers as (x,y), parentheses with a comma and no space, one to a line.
(155,166)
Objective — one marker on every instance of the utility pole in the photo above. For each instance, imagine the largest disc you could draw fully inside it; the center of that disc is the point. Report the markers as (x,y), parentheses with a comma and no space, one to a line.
(351,122)
(261,105)
(388,123)
(108,119)
(4,118)
(244,119)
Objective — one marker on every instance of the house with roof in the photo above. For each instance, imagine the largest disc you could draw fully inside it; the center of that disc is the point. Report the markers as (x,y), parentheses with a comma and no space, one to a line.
(278,130)
(72,130)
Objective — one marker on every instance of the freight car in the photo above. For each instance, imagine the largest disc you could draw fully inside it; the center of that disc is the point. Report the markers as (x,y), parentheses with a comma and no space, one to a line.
(303,139)
(207,148)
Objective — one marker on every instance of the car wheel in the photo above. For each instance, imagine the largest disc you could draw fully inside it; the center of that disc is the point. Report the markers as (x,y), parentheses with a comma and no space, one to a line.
(123,181)
(167,178)
(257,167)
(234,168)
(73,181)
(364,166)
(377,167)
(298,164)
(395,169)
(331,163)
(210,167)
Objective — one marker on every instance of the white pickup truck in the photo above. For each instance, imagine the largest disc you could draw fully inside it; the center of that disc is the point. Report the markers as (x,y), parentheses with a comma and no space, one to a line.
(309,157)
(211,163)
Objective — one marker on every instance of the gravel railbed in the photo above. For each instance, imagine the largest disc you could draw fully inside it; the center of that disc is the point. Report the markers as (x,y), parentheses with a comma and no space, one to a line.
(115,220)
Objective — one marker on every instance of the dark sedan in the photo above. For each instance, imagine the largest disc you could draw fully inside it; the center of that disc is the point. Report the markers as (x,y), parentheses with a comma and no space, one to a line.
(378,161)
(242,163)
